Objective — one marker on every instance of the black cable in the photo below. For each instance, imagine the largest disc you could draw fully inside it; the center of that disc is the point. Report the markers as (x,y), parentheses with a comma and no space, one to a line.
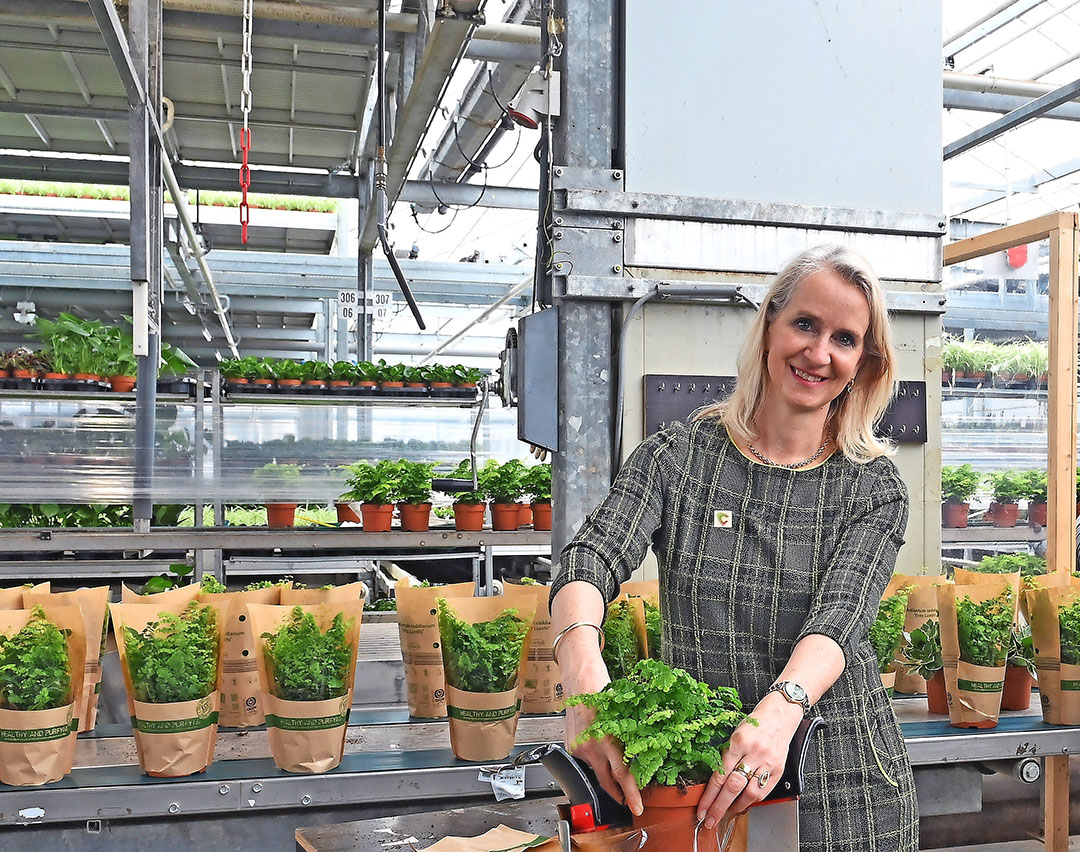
(426,231)
(483,190)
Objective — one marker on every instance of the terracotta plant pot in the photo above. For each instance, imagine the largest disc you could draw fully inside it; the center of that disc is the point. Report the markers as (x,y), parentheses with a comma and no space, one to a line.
(315,383)
(1016,694)
(525,515)
(541,516)
(935,694)
(57,376)
(289,383)
(345,512)
(391,384)
(122,384)
(888,680)
(366,384)
(23,374)
(377,517)
(504,516)
(1037,514)
(415,517)
(442,384)
(954,515)
(339,383)
(280,515)
(264,382)
(469,517)
(236,380)
(978,375)
(1005,514)
(88,377)
(418,384)
(676,811)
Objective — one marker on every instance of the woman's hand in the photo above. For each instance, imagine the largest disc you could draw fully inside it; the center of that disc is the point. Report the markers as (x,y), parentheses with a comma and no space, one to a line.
(605,758)
(755,750)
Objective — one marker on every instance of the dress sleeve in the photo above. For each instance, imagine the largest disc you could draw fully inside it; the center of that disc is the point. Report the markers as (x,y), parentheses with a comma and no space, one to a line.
(615,536)
(850,589)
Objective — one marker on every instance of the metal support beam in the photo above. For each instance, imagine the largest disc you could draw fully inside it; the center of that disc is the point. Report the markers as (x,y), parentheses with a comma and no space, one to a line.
(1003,15)
(1004,103)
(104,12)
(584,137)
(1034,109)
(441,52)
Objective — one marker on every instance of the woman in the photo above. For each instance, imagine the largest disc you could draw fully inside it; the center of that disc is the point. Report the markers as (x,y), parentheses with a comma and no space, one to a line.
(776,517)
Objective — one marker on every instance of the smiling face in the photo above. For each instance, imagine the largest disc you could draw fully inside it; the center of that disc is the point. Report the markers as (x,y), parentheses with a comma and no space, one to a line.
(816,342)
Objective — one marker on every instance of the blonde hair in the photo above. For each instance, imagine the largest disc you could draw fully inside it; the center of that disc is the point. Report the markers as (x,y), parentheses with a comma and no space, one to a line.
(854,412)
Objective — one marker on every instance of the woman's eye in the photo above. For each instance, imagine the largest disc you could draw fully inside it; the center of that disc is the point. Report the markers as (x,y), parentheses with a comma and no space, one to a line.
(803,324)
(846,340)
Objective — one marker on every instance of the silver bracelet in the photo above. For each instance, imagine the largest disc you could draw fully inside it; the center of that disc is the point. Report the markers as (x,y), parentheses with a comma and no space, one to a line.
(559,637)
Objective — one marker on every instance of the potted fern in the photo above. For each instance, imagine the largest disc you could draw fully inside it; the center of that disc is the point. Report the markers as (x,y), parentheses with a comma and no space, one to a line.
(469,506)
(1035,487)
(1019,670)
(375,488)
(886,634)
(279,479)
(537,484)
(673,730)
(1008,487)
(502,483)
(414,495)
(958,483)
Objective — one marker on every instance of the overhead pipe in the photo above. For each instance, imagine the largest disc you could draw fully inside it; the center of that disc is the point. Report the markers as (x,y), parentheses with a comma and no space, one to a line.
(970,64)
(184,215)
(963,31)
(494,306)
(1001,85)
(1019,8)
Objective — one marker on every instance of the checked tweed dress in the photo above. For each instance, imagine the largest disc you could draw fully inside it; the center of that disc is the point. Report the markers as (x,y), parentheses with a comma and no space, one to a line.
(798,552)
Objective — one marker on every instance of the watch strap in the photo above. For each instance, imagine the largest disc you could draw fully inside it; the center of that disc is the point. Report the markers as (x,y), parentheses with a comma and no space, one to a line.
(781,686)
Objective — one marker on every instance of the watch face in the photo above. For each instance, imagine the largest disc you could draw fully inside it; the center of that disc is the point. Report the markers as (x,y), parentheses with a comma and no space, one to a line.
(795,692)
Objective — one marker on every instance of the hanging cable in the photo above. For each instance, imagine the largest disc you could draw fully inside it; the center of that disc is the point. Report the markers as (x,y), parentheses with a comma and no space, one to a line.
(245,109)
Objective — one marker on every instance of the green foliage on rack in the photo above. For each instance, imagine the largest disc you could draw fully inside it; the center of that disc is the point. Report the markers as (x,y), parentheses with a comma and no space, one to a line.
(287,474)
(211,585)
(34,670)
(464,470)
(315,371)
(382,605)
(485,656)
(1027,564)
(307,664)
(390,372)
(922,653)
(413,482)
(887,630)
(958,482)
(288,369)
(1008,485)
(985,629)
(502,483)
(255,585)
(64,515)
(654,628)
(377,484)
(673,728)
(176,657)
(1022,649)
(1069,629)
(621,651)
(343,371)
(1035,485)
(536,482)
(179,574)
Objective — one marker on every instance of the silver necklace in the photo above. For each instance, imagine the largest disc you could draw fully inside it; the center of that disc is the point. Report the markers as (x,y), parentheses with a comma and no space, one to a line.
(762,457)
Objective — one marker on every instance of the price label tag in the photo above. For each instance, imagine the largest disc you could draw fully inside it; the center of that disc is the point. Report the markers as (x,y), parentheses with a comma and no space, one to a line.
(507,782)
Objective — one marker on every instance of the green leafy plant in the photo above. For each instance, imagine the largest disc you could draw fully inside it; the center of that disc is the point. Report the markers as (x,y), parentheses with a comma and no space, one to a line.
(211,585)
(343,371)
(414,482)
(382,605)
(922,652)
(673,728)
(367,372)
(958,483)
(1027,564)
(1008,485)
(288,369)
(482,657)
(654,628)
(315,371)
(35,673)
(305,663)
(529,581)
(177,575)
(239,368)
(174,361)
(537,483)
(502,483)
(887,631)
(464,471)
(288,474)
(985,629)
(390,372)
(1035,485)
(176,657)
(1022,649)
(1069,629)
(445,513)
(377,484)
(620,652)
(467,375)
(442,373)
(414,375)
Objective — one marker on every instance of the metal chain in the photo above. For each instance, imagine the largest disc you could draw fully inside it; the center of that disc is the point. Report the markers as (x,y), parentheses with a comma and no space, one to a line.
(245,109)
(763,458)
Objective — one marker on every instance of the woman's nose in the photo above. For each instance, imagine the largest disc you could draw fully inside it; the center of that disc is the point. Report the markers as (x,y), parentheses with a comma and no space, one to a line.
(818,352)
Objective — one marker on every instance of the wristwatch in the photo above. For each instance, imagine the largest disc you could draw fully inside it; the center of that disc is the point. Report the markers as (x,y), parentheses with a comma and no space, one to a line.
(792,692)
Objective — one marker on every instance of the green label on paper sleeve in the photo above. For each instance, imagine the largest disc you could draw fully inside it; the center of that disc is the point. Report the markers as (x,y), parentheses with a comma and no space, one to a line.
(500,714)
(38,735)
(1071,685)
(310,723)
(173,726)
(980,685)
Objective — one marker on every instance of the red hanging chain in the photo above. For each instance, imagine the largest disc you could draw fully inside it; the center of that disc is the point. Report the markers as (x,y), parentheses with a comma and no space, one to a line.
(245,132)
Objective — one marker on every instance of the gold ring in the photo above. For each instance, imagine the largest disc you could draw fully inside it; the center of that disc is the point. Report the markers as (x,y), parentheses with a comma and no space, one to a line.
(745,771)
(763,779)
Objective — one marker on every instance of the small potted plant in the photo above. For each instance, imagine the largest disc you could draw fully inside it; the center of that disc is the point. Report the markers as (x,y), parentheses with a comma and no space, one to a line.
(467,377)
(342,374)
(265,375)
(1008,487)
(502,483)
(952,362)
(469,506)
(537,484)
(391,376)
(984,634)
(117,359)
(367,376)
(1035,490)
(315,374)
(375,488)
(415,378)
(958,483)
(238,372)
(657,703)
(886,634)
(279,479)
(440,376)
(288,373)
(922,654)
(414,495)
(1019,670)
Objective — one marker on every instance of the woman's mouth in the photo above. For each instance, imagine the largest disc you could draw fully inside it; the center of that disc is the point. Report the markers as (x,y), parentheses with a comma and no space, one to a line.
(807,377)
